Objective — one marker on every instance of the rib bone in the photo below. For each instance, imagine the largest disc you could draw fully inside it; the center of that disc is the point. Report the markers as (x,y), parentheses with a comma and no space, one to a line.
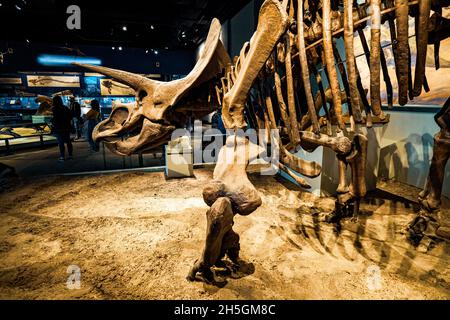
(350,57)
(422,45)
(375,99)
(304,66)
(331,69)
(272,23)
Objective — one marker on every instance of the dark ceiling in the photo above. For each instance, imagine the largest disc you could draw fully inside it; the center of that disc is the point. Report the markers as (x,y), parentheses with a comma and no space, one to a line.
(170,24)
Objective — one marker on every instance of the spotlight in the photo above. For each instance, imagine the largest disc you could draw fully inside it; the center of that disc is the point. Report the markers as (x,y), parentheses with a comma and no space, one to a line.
(120,48)
(152,27)
(146,51)
(124,28)
(114,48)
(156,52)
(28,41)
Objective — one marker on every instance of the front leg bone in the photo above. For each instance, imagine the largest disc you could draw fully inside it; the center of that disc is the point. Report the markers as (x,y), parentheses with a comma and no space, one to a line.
(219,223)
(357,161)
(350,197)
(228,194)
(342,167)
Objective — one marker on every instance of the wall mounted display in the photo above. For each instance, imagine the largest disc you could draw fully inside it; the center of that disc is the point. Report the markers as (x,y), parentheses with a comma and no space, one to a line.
(11,80)
(109,87)
(91,86)
(53,81)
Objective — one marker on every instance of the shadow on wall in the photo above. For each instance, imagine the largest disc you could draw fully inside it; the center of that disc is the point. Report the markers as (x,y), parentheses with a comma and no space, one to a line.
(408,161)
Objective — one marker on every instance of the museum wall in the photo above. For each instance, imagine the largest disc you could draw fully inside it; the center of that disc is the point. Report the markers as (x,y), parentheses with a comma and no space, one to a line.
(407,147)
(241,27)
(401,150)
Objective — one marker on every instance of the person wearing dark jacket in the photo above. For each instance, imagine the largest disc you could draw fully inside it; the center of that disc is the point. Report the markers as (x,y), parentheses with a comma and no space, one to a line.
(75,110)
(93,118)
(61,121)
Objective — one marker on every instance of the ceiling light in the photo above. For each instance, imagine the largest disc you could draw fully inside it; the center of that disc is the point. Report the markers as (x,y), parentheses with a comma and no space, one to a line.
(152,27)
(114,48)
(62,60)
(120,48)
(146,51)
(124,28)
(28,41)
(156,51)
(18,8)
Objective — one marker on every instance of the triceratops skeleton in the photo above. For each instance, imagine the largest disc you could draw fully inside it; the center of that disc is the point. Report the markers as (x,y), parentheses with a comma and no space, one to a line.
(268,86)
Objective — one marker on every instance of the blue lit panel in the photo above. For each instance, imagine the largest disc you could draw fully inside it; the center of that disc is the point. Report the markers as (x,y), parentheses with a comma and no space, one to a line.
(60,60)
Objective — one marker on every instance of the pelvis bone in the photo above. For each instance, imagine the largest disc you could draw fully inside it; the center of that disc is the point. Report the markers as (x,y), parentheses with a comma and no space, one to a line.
(160,106)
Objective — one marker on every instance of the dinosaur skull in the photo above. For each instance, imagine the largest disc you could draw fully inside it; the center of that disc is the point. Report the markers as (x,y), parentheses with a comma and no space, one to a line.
(128,131)
(161,106)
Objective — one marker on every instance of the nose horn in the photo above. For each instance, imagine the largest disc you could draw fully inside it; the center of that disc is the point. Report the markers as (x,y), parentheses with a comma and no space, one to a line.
(132,80)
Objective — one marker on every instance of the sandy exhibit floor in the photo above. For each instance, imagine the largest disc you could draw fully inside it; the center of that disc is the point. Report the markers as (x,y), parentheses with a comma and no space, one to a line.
(136,235)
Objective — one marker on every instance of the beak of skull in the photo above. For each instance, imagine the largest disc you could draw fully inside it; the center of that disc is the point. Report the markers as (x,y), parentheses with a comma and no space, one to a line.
(128,131)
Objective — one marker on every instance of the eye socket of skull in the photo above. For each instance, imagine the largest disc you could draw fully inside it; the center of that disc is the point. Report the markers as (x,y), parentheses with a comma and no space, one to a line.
(116,120)
(141,95)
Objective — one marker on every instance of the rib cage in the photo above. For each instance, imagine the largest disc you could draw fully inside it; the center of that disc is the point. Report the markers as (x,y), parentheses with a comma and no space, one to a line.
(282,98)
(320,50)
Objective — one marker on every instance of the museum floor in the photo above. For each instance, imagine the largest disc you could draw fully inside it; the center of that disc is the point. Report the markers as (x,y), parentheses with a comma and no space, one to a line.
(135,235)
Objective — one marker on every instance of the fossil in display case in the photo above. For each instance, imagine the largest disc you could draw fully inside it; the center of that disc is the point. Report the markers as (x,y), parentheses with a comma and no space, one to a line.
(46,103)
(268,86)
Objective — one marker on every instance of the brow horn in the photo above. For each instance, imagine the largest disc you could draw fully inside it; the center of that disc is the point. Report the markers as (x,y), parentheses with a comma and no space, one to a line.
(132,80)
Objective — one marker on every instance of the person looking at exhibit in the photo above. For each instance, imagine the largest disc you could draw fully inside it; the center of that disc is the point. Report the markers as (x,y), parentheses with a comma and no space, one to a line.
(93,118)
(77,121)
(61,126)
